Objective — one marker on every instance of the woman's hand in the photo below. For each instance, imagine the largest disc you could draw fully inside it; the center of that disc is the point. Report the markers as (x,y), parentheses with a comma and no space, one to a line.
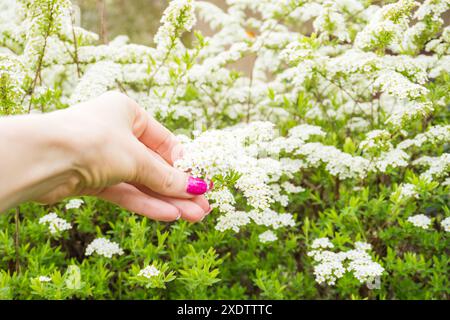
(108,147)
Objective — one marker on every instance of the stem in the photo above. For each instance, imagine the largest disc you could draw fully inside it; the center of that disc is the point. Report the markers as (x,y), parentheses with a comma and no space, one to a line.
(337,184)
(41,56)
(17,238)
(101,10)
(361,230)
(38,70)
(182,75)
(75,45)
(121,87)
(163,61)
(205,110)
(249,99)
(342,88)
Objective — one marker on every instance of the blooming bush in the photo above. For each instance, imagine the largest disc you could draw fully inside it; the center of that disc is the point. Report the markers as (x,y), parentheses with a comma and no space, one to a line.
(330,159)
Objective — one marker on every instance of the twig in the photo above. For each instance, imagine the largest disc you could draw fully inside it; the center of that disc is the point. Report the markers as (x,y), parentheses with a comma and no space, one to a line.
(41,56)
(101,10)
(121,87)
(75,44)
(163,61)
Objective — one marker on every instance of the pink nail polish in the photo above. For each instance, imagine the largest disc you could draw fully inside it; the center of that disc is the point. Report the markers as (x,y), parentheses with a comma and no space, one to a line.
(196,186)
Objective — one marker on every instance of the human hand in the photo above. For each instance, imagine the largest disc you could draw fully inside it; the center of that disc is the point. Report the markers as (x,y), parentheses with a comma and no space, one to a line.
(114,150)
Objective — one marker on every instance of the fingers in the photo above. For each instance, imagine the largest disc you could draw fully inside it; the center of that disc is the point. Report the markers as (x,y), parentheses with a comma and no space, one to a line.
(158,138)
(148,130)
(132,199)
(162,178)
(192,210)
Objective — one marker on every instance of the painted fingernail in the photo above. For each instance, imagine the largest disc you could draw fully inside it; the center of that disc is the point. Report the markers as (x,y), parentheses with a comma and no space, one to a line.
(196,186)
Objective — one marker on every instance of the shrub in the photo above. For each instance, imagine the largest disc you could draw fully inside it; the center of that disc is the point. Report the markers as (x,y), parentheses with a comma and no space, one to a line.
(330,159)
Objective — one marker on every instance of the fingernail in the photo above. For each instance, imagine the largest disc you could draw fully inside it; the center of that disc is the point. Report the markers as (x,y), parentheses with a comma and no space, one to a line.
(196,186)
(178,217)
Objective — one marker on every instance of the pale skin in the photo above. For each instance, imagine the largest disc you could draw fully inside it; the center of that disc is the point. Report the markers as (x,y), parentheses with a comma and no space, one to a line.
(108,147)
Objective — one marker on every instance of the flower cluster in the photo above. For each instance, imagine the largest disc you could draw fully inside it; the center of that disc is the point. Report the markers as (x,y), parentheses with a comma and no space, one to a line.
(331,266)
(44,279)
(177,18)
(240,152)
(149,272)
(74,204)
(55,224)
(268,236)
(446,224)
(420,221)
(408,191)
(103,247)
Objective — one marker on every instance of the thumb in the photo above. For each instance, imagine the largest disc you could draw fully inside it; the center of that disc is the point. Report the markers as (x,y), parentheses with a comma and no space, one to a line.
(164,179)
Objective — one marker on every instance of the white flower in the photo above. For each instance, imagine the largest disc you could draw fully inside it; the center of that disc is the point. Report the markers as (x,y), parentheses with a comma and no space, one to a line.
(420,221)
(44,279)
(438,166)
(446,224)
(177,18)
(270,218)
(54,223)
(149,272)
(322,243)
(98,78)
(331,266)
(233,221)
(291,188)
(103,247)
(74,204)
(268,236)
(407,191)
(363,246)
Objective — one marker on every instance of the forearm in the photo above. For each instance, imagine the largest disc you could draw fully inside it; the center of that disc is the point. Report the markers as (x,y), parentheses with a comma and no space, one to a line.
(35,158)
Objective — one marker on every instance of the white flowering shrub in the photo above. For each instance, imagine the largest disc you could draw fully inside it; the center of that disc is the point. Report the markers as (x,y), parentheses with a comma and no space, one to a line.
(329,158)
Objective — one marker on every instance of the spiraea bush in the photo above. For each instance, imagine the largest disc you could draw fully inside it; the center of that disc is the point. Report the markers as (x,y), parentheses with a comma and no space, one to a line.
(330,160)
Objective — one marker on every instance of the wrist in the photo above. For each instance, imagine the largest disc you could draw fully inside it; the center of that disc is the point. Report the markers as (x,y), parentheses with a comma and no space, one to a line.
(39,160)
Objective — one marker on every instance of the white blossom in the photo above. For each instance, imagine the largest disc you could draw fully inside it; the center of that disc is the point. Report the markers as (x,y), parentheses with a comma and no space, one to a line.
(74,204)
(268,236)
(331,266)
(408,191)
(322,243)
(149,272)
(446,224)
(44,279)
(420,221)
(103,247)
(55,224)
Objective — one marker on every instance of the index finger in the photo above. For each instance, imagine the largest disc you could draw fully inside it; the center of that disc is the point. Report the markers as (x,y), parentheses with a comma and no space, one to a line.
(158,138)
